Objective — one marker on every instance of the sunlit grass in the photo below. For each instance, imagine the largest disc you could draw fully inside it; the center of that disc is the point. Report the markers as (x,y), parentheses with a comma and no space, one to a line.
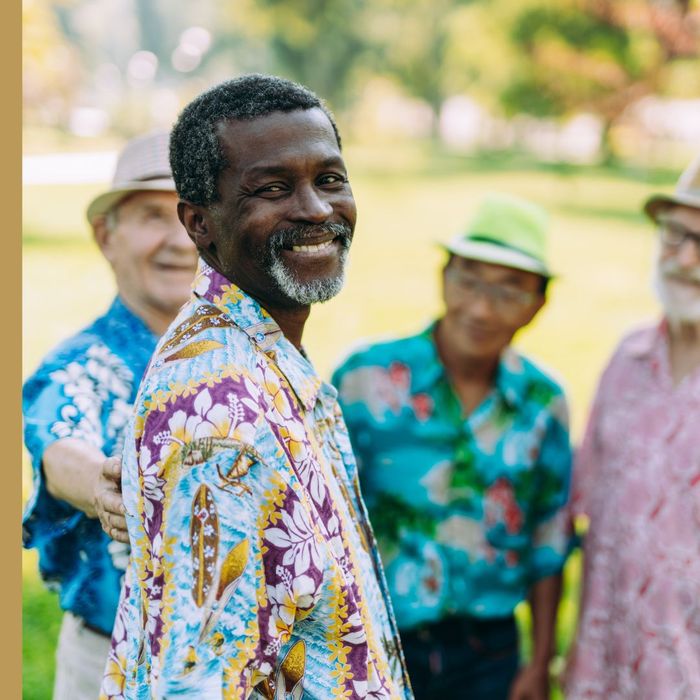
(600,245)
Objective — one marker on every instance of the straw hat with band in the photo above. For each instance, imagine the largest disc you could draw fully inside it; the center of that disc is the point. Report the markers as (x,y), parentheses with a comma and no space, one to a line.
(142,166)
(506,231)
(687,193)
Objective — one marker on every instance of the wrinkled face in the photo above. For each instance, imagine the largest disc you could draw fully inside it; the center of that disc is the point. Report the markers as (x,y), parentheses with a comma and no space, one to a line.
(286,215)
(153,259)
(677,272)
(486,304)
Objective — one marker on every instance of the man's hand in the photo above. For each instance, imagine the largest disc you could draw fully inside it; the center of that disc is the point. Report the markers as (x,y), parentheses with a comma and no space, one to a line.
(108,500)
(531,683)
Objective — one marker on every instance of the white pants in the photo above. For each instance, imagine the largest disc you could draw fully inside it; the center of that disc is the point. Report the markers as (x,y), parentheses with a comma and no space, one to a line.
(81,657)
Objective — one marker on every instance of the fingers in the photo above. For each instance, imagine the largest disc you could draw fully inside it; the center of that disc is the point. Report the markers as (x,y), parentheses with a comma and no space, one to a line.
(112,469)
(115,527)
(110,502)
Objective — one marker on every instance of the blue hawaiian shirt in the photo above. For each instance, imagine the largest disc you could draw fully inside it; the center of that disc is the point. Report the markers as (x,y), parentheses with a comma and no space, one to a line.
(468,511)
(83,389)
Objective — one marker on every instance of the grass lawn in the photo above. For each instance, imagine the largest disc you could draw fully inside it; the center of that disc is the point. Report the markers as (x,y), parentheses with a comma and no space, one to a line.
(600,245)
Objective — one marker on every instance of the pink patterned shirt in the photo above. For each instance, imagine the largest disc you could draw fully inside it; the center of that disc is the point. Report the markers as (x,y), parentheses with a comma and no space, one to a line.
(637,478)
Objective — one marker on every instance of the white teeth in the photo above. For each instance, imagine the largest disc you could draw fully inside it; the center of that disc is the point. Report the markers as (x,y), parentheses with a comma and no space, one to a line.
(311,248)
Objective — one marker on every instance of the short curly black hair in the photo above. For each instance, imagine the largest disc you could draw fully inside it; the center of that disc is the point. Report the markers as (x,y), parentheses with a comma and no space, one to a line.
(196,156)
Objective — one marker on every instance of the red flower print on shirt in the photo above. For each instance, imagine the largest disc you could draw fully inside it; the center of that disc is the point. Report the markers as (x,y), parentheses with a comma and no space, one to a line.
(422,406)
(500,506)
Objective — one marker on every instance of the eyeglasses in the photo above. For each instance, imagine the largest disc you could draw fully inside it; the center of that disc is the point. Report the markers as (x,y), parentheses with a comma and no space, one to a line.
(505,299)
(674,235)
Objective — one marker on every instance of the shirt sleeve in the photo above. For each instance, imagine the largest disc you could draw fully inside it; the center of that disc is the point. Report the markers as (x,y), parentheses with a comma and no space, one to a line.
(225,548)
(60,401)
(552,537)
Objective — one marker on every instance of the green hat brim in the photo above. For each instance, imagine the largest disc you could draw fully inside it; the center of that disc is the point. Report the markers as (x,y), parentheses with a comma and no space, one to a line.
(105,201)
(483,251)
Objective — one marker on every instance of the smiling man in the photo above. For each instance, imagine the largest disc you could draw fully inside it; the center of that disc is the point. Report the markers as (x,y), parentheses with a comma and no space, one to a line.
(637,479)
(77,403)
(463,451)
(254,573)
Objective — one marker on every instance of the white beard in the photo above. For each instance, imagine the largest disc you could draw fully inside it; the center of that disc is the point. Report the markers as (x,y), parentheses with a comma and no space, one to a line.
(681,302)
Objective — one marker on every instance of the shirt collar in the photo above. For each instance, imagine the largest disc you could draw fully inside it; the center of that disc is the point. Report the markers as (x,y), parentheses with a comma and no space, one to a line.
(648,342)
(263,331)
(510,382)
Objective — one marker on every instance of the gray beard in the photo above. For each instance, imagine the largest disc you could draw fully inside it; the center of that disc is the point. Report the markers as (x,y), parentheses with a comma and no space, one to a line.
(312,292)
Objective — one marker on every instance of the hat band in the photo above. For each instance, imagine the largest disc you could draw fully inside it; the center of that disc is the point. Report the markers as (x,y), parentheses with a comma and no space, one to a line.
(497,254)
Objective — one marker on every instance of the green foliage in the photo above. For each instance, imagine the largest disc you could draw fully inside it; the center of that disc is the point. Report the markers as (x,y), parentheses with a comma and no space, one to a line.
(41,620)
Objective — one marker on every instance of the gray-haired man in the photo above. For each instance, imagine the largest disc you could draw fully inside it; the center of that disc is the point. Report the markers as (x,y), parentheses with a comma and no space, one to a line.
(77,402)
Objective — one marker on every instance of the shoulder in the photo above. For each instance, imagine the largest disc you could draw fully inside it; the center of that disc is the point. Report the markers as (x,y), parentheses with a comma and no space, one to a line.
(537,374)
(75,351)
(411,350)
(201,349)
(637,342)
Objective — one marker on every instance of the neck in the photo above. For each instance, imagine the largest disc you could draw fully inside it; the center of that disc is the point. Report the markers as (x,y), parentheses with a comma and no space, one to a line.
(462,367)
(291,323)
(157,320)
(684,341)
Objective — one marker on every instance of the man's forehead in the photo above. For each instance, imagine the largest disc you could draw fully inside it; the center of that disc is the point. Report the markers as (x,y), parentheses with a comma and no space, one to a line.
(296,130)
(491,269)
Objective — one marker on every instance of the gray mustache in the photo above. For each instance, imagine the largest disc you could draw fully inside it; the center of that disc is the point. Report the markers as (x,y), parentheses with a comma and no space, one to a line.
(296,235)
(670,268)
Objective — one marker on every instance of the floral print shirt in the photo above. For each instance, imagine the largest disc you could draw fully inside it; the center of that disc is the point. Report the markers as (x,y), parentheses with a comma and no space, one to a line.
(468,510)
(84,389)
(254,572)
(637,479)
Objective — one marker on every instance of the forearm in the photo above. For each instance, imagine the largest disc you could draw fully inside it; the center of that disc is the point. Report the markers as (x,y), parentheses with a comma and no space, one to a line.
(71,469)
(544,601)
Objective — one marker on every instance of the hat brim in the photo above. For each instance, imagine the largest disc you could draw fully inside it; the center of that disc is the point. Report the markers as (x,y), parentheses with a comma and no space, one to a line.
(659,202)
(105,201)
(483,251)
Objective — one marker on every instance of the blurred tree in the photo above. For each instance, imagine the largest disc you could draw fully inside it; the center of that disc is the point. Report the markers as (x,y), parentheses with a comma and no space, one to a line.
(51,69)
(319,43)
(596,55)
(412,42)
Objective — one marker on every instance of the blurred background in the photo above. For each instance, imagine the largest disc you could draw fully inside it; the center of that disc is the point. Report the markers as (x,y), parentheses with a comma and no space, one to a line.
(584,106)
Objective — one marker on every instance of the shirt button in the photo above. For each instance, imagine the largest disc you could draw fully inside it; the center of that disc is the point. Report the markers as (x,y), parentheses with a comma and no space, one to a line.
(259,337)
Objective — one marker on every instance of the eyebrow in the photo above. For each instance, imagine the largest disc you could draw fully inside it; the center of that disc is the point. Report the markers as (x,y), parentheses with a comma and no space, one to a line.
(278,169)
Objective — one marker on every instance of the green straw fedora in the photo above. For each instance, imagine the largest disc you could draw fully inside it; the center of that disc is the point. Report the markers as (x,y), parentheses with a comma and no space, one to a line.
(506,230)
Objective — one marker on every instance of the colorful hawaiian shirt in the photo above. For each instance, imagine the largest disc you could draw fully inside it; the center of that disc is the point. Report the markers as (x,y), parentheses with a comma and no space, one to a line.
(637,478)
(254,572)
(84,389)
(468,510)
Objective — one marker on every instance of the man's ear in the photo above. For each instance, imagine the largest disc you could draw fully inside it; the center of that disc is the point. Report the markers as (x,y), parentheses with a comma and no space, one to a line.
(195,220)
(103,236)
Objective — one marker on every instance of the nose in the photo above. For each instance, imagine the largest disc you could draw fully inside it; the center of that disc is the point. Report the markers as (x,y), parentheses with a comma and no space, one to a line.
(481,305)
(688,255)
(178,237)
(312,205)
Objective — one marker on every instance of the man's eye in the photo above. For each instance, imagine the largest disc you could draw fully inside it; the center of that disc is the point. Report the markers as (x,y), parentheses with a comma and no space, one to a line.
(331,179)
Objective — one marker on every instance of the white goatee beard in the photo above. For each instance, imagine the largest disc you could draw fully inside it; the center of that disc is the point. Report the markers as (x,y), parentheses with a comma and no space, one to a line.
(306,293)
(679,305)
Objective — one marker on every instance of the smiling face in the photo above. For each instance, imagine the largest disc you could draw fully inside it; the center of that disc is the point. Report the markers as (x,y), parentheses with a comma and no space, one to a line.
(286,214)
(677,272)
(486,304)
(151,254)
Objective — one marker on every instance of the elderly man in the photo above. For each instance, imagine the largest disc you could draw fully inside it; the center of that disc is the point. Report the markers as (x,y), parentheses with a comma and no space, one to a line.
(254,572)
(637,478)
(463,450)
(77,403)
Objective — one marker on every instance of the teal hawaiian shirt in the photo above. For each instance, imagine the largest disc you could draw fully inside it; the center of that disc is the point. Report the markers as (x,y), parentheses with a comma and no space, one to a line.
(468,511)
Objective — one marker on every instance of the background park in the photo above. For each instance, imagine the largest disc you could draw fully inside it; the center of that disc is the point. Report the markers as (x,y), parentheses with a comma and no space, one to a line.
(584,106)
